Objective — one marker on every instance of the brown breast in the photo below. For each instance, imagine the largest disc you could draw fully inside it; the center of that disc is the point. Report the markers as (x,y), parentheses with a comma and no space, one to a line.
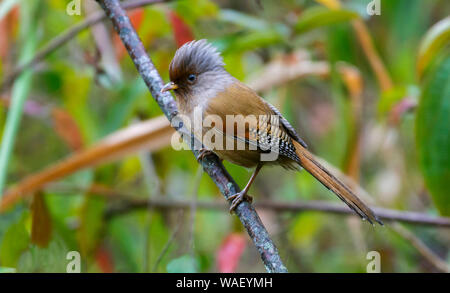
(241,126)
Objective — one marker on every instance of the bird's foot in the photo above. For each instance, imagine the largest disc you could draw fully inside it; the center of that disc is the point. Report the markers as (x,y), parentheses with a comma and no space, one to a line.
(237,198)
(202,153)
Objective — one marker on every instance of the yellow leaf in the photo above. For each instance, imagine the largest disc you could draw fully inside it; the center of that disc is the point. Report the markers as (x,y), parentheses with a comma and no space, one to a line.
(332,4)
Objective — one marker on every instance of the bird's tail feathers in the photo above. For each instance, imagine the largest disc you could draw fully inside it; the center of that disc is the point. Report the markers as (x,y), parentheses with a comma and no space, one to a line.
(310,164)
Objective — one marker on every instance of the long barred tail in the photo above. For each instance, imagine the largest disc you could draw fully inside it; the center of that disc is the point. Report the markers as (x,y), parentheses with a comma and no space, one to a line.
(308,162)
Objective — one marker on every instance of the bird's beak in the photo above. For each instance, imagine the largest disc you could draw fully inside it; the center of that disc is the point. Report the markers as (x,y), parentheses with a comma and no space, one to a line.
(169,86)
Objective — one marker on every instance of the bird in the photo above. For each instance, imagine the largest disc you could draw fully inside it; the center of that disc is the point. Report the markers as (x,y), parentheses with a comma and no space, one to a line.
(201,84)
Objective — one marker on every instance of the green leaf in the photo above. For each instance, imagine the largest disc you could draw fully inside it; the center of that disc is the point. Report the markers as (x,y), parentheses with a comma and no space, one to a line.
(389,98)
(91,223)
(320,16)
(121,230)
(250,41)
(243,19)
(14,242)
(183,264)
(433,134)
(305,228)
(250,22)
(192,10)
(437,37)
(75,94)
(121,109)
(51,259)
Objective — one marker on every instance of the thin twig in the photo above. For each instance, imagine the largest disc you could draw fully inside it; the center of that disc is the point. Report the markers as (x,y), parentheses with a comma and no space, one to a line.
(66,36)
(211,164)
(169,242)
(310,205)
(426,252)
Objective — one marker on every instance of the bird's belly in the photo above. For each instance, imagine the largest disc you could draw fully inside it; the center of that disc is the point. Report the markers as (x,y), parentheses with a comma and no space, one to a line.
(245,158)
(230,149)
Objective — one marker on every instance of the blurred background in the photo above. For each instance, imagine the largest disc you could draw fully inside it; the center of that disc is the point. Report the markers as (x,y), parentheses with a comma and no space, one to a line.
(86,163)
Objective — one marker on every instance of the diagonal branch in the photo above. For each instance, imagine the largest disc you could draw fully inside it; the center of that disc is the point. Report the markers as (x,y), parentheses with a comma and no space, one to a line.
(212,166)
(421,247)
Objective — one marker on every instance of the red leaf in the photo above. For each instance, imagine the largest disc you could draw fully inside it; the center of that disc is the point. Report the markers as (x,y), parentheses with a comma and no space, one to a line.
(181,31)
(104,260)
(230,252)
(136,17)
(67,128)
(7,25)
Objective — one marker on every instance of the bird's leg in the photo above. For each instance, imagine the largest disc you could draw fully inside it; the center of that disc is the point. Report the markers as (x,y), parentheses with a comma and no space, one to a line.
(241,196)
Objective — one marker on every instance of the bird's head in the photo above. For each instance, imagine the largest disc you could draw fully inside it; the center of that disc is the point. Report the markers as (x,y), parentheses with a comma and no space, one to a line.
(195,68)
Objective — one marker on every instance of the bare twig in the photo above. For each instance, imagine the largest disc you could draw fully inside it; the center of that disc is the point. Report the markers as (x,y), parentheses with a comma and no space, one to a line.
(211,164)
(426,252)
(66,36)
(294,207)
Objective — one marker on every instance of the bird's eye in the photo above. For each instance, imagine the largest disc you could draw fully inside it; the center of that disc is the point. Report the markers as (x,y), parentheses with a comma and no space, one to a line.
(191,78)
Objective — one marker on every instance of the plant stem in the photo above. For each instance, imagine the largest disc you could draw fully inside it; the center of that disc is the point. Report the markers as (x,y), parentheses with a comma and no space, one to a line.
(21,87)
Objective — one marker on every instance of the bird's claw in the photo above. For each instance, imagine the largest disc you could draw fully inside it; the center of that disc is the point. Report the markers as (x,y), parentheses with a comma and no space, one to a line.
(237,198)
(202,153)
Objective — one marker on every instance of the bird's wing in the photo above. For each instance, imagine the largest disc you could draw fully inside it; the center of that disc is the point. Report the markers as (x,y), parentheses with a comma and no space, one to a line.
(263,125)
(287,126)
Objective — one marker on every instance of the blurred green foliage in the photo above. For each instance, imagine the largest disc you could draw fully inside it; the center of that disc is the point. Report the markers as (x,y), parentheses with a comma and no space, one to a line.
(433,139)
